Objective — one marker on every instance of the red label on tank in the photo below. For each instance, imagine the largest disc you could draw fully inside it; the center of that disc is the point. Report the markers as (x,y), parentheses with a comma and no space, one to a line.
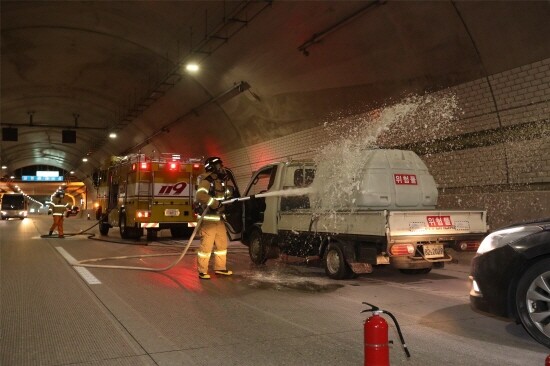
(439,221)
(407,179)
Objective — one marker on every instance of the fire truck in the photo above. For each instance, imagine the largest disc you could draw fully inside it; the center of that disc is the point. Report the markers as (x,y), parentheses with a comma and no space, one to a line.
(138,192)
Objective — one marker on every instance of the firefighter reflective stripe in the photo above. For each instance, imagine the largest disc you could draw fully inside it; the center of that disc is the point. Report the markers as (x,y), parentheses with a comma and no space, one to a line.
(211,201)
(211,218)
(202,189)
(203,255)
(220,252)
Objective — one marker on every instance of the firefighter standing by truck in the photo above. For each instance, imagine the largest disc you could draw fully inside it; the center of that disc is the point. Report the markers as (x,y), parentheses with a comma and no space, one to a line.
(212,190)
(58,213)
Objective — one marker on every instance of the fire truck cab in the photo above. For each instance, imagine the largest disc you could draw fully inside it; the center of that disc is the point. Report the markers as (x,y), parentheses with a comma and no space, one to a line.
(137,192)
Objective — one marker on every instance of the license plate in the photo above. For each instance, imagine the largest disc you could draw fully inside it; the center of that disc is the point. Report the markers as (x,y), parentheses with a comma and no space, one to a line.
(433,250)
(171,212)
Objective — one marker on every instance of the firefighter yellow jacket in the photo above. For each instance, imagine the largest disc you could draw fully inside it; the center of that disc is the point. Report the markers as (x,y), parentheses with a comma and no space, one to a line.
(210,192)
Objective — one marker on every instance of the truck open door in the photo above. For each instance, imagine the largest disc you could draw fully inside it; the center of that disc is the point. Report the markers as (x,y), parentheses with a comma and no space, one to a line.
(233,211)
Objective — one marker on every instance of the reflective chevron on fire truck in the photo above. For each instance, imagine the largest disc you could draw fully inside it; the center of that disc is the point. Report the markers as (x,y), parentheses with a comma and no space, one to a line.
(138,192)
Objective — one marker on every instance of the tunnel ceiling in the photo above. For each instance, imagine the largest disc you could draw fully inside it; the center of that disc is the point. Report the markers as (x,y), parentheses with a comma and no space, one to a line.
(267,68)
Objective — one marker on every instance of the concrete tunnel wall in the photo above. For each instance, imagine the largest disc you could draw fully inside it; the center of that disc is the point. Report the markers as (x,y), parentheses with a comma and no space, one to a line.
(493,56)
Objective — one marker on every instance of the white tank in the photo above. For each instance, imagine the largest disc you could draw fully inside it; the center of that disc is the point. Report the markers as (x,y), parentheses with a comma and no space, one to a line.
(378,179)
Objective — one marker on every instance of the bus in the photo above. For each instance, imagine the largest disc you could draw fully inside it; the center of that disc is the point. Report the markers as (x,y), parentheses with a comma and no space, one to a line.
(13,205)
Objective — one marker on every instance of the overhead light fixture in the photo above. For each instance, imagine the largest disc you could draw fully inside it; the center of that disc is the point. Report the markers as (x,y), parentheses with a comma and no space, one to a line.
(192,67)
(112,135)
(71,172)
(84,159)
(4,167)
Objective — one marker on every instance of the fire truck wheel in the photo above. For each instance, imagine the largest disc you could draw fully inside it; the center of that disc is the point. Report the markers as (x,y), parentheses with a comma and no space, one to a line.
(257,249)
(128,232)
(103,228)
(335,263)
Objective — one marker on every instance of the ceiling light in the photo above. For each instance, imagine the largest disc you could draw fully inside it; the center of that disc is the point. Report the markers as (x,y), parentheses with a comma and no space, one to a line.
(71,172)
(192,67)
(112,135)
(4,167)
(84,159)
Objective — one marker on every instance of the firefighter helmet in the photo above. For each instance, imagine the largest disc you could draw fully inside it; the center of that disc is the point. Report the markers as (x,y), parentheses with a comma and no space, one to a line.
(211,164)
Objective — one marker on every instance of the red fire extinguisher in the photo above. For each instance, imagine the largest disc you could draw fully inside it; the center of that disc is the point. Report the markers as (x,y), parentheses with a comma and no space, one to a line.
(377,351)
(547,363)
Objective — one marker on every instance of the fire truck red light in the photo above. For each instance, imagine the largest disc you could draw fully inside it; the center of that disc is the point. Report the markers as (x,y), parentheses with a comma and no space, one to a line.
(143,165)
(196,166)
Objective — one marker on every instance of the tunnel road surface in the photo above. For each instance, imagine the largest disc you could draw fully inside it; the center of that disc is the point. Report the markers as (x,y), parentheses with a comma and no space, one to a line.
(284,313)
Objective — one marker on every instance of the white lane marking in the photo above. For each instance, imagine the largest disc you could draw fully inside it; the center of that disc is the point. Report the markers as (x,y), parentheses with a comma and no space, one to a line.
(83,272)
(87,276)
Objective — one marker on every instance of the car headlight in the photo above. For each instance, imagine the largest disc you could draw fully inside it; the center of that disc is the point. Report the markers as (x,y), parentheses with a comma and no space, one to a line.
(506,236)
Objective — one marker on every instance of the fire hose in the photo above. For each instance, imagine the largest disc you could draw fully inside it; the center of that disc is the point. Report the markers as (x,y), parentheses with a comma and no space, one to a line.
(86,262)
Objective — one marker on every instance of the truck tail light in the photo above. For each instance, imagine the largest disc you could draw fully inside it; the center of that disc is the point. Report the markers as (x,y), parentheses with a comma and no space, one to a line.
(469,246)
(196,166)
(173,166)
(143,166)
(143,214)
(402,249)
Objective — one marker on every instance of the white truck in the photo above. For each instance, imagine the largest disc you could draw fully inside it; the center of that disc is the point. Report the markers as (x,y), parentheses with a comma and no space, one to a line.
(389,217)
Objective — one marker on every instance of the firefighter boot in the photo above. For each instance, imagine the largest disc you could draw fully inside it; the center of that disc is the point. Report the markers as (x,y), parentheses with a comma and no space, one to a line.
(50,233)
(224,272)
(204,276)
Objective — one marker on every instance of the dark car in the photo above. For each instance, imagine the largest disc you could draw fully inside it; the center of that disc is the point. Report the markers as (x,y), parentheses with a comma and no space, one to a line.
(510,276)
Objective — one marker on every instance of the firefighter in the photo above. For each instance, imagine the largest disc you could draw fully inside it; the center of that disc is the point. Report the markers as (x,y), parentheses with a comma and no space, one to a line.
(212,187)
(58,213)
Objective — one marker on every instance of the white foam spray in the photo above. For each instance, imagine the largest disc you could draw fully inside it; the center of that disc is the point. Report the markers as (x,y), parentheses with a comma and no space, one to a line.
(341,162)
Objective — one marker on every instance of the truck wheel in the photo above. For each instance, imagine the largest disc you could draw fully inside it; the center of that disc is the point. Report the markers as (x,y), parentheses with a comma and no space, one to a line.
(128,232)
(124,232)
(335,263)
(533,301)
(256,249)
(103,228)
